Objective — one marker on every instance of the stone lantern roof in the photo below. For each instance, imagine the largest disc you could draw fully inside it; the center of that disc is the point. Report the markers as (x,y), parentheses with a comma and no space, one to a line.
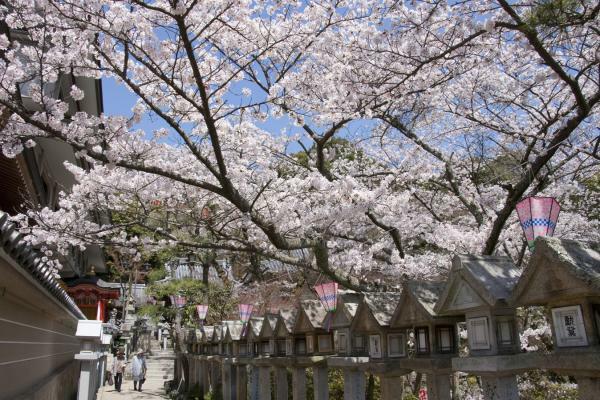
(310,316)
(208,333)
(254,326)
(197,335)
(286,321)
(477,281)
(558,269)
(376,310)
(234,330)
(269,324)
(347,304)
(217,333)
(417,302)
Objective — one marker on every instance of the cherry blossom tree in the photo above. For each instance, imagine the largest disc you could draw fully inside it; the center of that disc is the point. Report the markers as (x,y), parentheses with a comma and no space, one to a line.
(409,129)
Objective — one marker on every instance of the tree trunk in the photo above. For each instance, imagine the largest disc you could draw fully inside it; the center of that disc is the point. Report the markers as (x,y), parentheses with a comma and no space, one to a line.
(205,271)
(181,351)
(370,388)
(417,385)
(455,386)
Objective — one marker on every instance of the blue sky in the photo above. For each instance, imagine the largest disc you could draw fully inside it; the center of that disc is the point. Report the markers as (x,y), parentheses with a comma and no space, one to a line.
(118,100)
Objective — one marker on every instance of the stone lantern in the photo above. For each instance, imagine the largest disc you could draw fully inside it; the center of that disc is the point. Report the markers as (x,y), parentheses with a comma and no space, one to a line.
(309,324)
(206,340)
(267,335)
(232,336)
(478,288)
(435,337)
(216,344)
(564,276)
(253,328)
(371,324)
(197,348)
(283,332)
(347,304)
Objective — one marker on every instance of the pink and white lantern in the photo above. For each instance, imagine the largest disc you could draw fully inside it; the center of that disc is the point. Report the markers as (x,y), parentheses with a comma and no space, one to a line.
(245,312)
(538,216)
(327,293)
(178,301)
(202,310)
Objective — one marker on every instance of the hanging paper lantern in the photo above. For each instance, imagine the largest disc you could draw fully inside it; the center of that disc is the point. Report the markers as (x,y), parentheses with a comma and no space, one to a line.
(538,216)
(245,312)
(178,301)
(202,310)
(327,293)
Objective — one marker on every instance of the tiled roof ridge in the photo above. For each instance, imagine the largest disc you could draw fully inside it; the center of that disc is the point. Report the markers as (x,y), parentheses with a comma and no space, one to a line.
(30,260)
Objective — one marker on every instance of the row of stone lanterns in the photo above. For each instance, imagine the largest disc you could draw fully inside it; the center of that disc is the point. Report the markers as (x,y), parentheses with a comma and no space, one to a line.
(417,329)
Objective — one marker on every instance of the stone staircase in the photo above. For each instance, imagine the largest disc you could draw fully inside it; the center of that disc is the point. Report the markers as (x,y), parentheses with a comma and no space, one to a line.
(160,363)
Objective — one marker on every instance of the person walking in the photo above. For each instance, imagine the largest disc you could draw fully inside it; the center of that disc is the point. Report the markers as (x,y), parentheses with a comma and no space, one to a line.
(118,368)
(138,370)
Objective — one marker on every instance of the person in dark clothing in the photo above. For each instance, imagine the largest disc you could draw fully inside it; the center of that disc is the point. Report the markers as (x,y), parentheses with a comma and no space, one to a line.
(118,369)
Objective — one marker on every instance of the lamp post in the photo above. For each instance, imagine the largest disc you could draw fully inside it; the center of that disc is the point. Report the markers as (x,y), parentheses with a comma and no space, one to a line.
(538,217)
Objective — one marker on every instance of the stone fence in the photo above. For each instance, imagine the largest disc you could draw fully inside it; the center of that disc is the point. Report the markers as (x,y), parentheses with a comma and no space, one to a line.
(417,329)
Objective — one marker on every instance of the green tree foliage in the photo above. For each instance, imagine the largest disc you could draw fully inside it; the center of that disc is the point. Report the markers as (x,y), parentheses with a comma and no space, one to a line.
(549,13)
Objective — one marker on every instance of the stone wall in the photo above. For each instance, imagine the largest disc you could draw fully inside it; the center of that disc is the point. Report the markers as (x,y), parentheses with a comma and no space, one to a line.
(37,339)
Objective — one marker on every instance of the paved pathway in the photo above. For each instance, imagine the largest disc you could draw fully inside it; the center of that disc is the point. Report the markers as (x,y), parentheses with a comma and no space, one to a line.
(160,369)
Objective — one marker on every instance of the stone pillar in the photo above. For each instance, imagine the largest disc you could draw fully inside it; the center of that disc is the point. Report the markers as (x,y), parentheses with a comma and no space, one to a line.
(242,382)
(191,379)
(86,389)
(321,383)
(215,378)
(102,370)
(392,387)
(264,383)
(89,332)
(159,335)
(299,384)
(588,388)
(438,387)
(281,383)
(355,384)
(205,377)
(253,383)
(497,387)
(228,381)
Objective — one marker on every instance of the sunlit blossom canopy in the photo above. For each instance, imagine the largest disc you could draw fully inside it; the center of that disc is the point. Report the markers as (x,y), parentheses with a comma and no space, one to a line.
(245,312)
(538,216)
(178,301)
(327,293)
(202,310)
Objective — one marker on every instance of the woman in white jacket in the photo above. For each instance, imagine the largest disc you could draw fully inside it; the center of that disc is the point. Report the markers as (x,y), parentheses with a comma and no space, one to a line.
(138,370)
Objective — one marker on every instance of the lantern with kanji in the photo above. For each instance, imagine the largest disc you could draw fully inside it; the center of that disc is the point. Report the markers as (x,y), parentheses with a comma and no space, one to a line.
(178,301)
(538,216)
(202,310)
(327,293)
